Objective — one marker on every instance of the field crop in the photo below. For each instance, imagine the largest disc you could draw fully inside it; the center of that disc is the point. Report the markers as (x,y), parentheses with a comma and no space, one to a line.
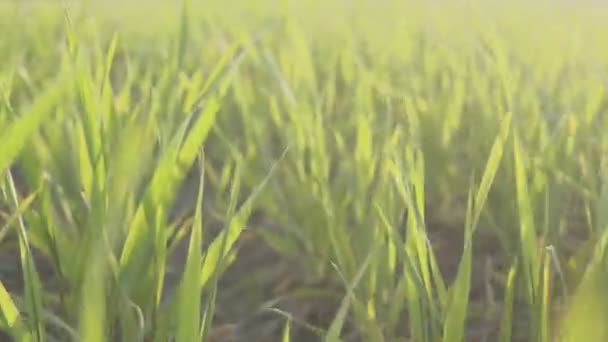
(303,171)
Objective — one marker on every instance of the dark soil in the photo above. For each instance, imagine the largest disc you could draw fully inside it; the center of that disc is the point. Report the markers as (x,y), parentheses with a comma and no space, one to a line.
(261,280)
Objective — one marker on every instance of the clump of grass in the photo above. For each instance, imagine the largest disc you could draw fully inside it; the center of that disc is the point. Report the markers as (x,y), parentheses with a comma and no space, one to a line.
(393,135)
(104,170)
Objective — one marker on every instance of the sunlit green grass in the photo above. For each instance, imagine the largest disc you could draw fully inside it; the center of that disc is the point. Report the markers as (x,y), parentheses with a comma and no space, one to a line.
(368,133)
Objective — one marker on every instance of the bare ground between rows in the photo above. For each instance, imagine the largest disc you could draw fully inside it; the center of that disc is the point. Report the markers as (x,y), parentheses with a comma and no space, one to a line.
(261,287)
(261,280)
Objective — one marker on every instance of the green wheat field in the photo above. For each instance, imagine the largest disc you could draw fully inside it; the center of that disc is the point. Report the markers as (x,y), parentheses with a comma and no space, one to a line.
(282,170)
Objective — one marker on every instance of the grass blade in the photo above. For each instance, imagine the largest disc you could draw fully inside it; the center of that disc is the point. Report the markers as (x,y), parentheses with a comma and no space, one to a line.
(454,329)
(190,294)
(335,329)
(15,136)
